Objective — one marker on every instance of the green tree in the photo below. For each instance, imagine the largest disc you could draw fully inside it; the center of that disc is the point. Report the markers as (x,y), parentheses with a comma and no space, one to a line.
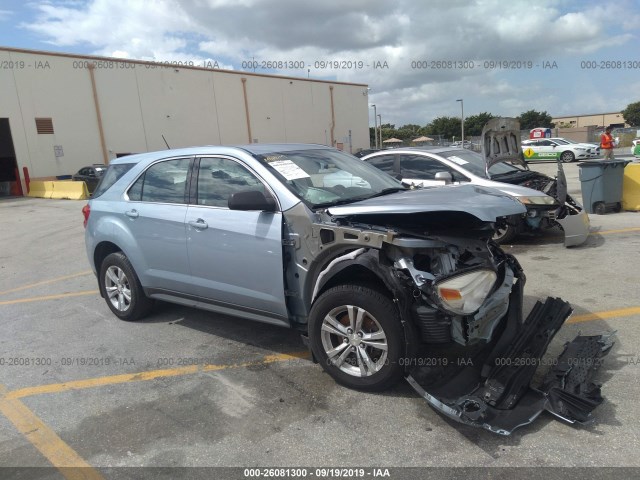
(408,132)
(446,126)
(533,119)
(473,124)
(631,114)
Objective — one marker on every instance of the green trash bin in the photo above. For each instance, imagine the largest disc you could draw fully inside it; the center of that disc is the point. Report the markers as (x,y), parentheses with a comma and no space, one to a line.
(601,185)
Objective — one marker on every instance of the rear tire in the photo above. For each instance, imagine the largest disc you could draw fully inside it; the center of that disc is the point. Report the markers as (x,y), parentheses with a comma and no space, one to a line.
(356,335)
(121,289)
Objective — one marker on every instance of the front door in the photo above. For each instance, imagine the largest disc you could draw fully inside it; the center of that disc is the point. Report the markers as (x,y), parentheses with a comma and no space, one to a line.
(235,256)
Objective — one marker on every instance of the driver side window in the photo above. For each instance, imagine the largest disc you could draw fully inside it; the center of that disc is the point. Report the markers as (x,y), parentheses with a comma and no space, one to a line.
(218,178)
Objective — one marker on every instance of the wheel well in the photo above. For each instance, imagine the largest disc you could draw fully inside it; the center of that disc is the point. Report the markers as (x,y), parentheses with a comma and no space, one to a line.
(357,274)
(102,251)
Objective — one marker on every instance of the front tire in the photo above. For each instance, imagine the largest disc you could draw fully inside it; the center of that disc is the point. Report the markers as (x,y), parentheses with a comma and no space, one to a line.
(567,157)
(120,287)
(356,335)
(504,232)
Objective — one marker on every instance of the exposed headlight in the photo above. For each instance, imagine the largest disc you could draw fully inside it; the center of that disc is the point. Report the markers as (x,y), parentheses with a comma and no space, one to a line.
(464,294)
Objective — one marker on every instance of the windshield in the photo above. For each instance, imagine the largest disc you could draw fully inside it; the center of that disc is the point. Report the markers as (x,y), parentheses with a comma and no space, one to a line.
(328,177)
(474,163)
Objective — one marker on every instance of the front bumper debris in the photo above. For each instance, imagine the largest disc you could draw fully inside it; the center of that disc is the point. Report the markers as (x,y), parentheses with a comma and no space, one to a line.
(576,228)
(492,389)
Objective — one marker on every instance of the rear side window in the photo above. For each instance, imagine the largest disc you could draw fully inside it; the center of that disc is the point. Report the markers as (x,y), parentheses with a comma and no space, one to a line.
(384,163)
(419,167)
(163,182)
(113,174)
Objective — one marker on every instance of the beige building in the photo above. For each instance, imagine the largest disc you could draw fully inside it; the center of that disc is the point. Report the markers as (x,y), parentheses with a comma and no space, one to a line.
(614,119)
(60,112)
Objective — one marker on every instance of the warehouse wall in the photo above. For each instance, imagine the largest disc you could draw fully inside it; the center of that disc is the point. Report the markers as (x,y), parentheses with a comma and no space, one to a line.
(140,102)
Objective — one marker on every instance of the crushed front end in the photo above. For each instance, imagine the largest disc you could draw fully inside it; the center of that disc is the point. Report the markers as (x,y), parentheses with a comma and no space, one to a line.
(476,365)
(469,351)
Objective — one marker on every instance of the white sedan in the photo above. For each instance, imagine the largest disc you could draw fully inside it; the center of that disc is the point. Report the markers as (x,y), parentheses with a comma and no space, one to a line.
(557,148)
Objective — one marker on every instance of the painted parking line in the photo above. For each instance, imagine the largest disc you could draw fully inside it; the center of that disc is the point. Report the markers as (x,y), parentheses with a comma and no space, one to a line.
(61,455)
(71,465)
(589,317)
(149,375)
(45,282)
(622,230)
(49,297)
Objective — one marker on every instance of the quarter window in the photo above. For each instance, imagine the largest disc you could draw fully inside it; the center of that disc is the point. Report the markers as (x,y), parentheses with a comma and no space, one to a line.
(163,182)
(219,178)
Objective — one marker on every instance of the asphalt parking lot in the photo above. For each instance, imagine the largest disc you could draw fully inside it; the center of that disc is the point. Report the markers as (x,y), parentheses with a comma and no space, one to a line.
(78,387)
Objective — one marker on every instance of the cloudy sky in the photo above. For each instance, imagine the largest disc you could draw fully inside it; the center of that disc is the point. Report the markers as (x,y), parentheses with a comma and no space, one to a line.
(504,57)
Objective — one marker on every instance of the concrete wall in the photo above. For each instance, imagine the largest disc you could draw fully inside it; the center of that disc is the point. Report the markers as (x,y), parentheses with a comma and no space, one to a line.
(600,119)
(139,102)
(584,134)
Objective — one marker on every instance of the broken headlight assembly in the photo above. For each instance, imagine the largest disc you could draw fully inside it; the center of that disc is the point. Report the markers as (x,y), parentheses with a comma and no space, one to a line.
(464,294)
(537,200)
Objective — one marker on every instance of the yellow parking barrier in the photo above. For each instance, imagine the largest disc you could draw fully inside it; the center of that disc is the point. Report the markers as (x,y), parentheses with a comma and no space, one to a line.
(40,189)
(631,187)
(70,190)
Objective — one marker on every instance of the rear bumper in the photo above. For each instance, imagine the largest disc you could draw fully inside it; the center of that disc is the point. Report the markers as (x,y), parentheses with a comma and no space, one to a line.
(492,390)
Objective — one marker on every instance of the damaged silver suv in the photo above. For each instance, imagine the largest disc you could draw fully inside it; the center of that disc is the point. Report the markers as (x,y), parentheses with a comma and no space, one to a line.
(383,281)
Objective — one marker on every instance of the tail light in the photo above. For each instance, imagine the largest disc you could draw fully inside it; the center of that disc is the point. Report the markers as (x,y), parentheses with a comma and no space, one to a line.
(86,211)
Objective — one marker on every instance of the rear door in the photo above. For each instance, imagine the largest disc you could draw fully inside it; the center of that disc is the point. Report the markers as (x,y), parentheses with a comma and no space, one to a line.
(155,215)
(235,256)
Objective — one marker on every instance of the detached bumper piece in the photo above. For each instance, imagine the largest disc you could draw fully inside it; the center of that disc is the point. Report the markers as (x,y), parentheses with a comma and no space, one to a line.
(492,388)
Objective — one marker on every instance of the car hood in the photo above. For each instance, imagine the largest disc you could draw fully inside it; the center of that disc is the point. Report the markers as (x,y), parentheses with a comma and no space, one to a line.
(484,203)
(501,143)
(515,190)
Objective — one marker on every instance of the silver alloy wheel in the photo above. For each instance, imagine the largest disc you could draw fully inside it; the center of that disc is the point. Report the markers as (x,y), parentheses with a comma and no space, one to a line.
(354,341)
(500,233)
(116,285)
(567,157)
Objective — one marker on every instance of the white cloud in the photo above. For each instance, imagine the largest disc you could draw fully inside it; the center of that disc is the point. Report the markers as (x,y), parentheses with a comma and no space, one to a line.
(368,31)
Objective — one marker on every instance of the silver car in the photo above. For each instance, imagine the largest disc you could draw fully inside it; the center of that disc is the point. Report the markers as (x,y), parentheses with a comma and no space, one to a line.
(382,281)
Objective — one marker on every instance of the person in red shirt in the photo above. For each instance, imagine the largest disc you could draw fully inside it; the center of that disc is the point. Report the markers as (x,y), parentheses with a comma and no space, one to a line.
(606,144)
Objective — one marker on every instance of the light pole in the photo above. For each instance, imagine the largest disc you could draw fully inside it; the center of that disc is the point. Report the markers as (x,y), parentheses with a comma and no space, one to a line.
(375,128)
(380,123)
(462,108)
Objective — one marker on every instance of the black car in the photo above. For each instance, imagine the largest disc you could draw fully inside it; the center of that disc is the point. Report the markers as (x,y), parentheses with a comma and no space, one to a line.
(362,153)
(90,175)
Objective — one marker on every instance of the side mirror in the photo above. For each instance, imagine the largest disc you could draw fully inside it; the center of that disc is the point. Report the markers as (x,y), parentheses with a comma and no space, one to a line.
(398,176)
(252,200)
(444,176)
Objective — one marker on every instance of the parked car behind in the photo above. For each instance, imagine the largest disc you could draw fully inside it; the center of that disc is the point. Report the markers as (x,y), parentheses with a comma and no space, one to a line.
(90,175)
(546,200)
(364,152)
(592,148)
(554,149)
(370,272)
